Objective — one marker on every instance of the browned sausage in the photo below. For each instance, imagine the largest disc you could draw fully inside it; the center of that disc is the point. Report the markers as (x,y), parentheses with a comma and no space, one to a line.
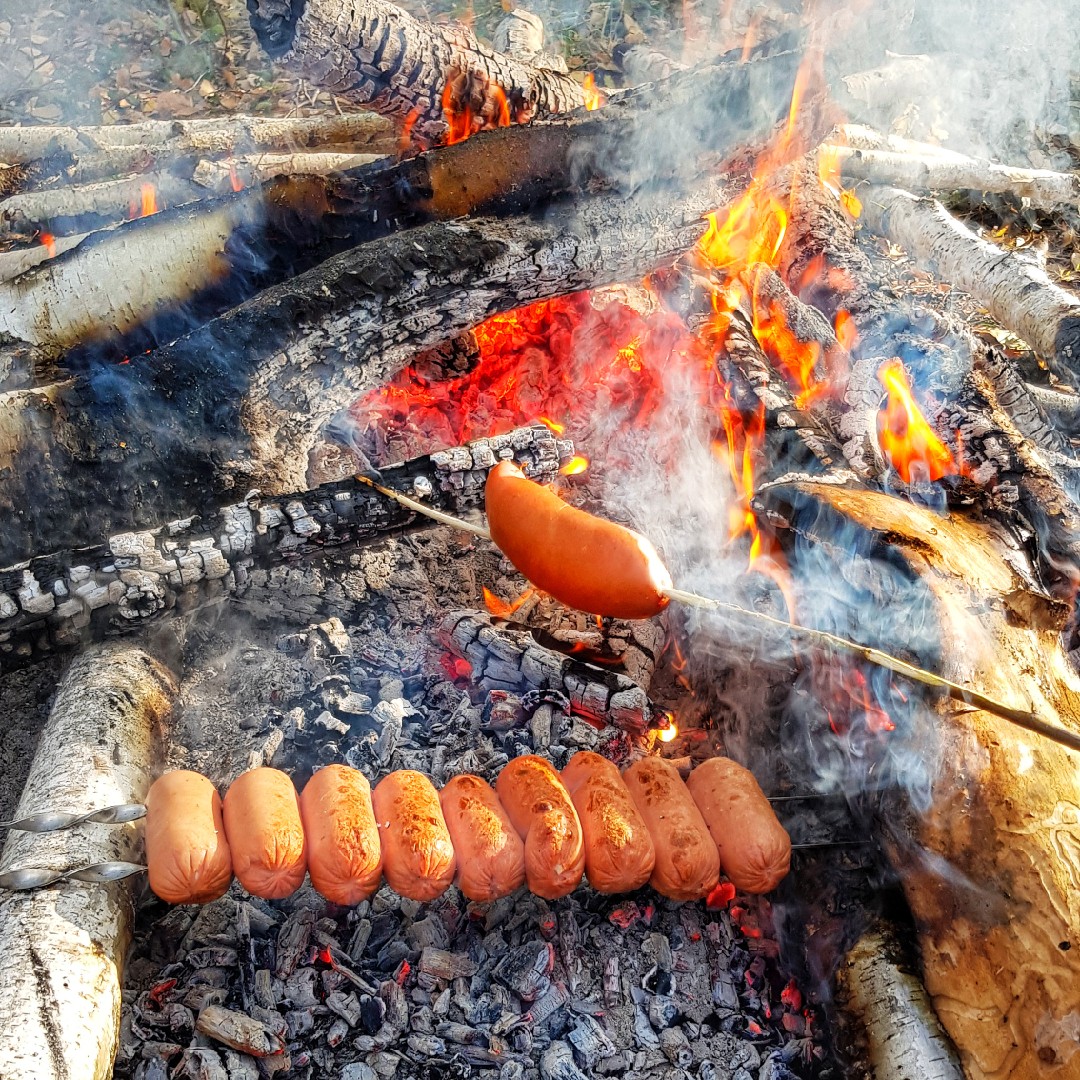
(186,851)
(418,855)
(266,835)
(541,810)
(755,849)
(619,852)
(344,856)
(584,561)
(687,862)
(490,854)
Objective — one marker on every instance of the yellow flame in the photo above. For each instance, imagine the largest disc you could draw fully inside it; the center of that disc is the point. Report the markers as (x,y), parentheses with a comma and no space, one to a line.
(575,466)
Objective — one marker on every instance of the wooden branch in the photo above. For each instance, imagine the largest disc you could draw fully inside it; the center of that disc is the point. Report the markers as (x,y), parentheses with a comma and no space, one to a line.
(62,949)
(373,53)
(1017,292)
(990,869)
(1040,188)
(520,35)
(240,402)
(67,598)
(362,131)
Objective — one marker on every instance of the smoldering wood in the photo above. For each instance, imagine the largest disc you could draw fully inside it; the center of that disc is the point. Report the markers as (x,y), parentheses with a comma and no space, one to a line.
(1042,189)
(62,949)
(520,35)
(500,171)
(362,131)
(68,598)
(241,402)
(990,870)
(643,64)
(1016,290)
(880,991)
(373,53)
(509,658)
(16,262)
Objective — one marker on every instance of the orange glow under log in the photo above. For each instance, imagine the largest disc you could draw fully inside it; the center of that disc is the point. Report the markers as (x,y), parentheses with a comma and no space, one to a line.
(910,443)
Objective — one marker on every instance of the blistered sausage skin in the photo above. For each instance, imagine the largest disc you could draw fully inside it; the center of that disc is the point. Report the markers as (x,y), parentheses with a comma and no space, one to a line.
(619,851)
(266,834)
(418,855)
(344,854)
(542,812)
(187,854)
(687,862)
(582,560)
(490,854)
(755,849)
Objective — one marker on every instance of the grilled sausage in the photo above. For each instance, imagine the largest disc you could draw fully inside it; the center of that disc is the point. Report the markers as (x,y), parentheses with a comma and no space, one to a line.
(186,851)
(543,814)
(619,852)
(418,855)
(584,561)
(266,835)
(755,849)
(687,862)
(490,854)
(344,855)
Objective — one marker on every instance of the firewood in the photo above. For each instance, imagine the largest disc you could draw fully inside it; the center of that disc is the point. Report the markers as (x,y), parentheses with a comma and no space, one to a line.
(990,870)
(520,35)
(62,950)
(1041,188)
(14,263)
(373,53)
(67,598)
(1016,291)
(240,403)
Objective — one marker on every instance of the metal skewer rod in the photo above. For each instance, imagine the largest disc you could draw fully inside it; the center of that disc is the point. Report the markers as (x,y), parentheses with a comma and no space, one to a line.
(48,821)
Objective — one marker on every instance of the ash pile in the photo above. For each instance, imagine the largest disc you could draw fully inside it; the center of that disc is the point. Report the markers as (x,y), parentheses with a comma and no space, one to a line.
(588,985)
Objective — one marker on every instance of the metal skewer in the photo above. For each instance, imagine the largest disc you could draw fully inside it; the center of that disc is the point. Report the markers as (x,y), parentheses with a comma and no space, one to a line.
(48,821)
(23,878)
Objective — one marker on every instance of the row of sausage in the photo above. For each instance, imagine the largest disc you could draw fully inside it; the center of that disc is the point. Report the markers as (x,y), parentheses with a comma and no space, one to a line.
(537,826)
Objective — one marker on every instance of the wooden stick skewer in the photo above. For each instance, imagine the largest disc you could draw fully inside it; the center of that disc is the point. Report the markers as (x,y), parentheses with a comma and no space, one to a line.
(1024,718)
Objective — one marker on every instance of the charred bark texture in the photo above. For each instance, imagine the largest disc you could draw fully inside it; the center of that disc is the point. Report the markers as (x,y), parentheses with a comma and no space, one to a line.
(373,53)
(72,597)
(240,403)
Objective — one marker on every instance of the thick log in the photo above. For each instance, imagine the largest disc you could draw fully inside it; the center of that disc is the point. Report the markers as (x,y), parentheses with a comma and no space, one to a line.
(62,948)
(373,53)
(990,869)
(71,597)
(502,171)
(241,402)
(1016,291)
(926,171)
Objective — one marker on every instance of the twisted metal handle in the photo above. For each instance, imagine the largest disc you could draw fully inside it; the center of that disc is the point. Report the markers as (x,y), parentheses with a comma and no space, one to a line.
(53,820)
(23,878)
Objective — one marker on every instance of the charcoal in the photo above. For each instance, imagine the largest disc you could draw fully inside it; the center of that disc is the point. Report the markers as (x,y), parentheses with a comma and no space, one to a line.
(212,976)
(347,1006)
(386,1064)
(462,1034)
(212,956)
(422,1020)
(589,1041)
(426,1045)
(663,1012)
(163,1050)
(358,942)
(152,1069)
(512,1070)
(676,1047)
(198,997)
(427,932)
(200,1065)
(549,1002)
(301,989)
(446,965)
(397,1008)
(357,1070)
(292,941)
(612,985)
(557,1063)
(337,1033)
(300,1022)
(525,969)
(240,1066)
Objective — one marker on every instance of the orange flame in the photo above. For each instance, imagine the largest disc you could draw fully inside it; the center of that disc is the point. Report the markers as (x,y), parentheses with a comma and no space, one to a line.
(594,99)
(575,466)
(463,122)
(147,204)
(668,734)
(552,425)
(234,179)
(503,609)
(911,444)
(48,242)
(829,174)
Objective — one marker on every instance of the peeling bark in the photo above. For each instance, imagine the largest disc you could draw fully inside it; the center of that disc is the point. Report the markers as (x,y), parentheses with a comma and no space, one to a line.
(62,948)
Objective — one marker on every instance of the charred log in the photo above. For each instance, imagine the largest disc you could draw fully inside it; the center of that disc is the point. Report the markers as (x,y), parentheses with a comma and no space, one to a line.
(63,949)
(133,579)
(240,402)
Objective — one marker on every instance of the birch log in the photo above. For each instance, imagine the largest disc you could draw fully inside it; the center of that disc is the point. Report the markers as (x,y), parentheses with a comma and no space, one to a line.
(1016,291)
(991,870)
(62,949)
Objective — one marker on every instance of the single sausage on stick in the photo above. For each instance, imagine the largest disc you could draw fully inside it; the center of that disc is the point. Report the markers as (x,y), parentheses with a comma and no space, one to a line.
(418,855)
(582,560)
(687,862)
(619,851)
(266,834)
(755,849)
(187,855)
(490,854)
(344,854)
(540,808)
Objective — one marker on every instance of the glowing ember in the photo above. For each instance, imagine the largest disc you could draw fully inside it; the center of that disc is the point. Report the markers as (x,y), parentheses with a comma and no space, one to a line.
(910,443)
(593,97)
(48,242)
(234,180)
(668,734)
(463,122)
(847,333)
(575,466)
(552,425)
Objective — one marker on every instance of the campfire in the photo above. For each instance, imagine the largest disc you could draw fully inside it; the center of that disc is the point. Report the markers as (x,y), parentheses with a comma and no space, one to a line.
(546,573)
